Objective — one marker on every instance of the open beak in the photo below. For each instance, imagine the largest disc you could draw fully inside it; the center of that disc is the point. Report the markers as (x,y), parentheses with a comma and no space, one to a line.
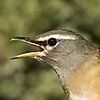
(29,41)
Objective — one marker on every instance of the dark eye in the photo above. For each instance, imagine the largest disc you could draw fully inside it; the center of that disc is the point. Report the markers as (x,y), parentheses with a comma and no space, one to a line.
(52,41)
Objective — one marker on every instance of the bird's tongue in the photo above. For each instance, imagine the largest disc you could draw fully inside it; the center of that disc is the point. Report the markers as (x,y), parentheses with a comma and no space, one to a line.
(29,41)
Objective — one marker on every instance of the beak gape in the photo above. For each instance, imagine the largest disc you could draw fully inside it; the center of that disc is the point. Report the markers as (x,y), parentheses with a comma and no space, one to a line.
(29,41)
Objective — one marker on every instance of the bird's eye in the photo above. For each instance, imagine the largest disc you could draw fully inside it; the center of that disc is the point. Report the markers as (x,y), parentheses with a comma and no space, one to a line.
(52,41)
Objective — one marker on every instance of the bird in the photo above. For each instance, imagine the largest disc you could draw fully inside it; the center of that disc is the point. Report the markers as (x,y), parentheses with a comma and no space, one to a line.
(75,60)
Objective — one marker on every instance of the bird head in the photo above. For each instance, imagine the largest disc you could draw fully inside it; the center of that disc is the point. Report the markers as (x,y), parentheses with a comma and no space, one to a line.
(62,49)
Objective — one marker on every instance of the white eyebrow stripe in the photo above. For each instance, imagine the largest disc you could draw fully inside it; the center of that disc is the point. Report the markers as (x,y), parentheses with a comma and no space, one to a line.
(58,37)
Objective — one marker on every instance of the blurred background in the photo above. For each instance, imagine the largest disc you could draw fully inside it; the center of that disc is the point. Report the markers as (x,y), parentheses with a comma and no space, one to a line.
(28,79)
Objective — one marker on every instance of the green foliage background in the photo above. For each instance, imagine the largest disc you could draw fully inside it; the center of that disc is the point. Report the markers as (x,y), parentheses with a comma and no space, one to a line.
(28,79)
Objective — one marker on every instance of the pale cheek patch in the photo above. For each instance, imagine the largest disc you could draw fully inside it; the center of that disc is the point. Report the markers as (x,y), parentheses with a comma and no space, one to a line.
(51,47)
(71,37)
